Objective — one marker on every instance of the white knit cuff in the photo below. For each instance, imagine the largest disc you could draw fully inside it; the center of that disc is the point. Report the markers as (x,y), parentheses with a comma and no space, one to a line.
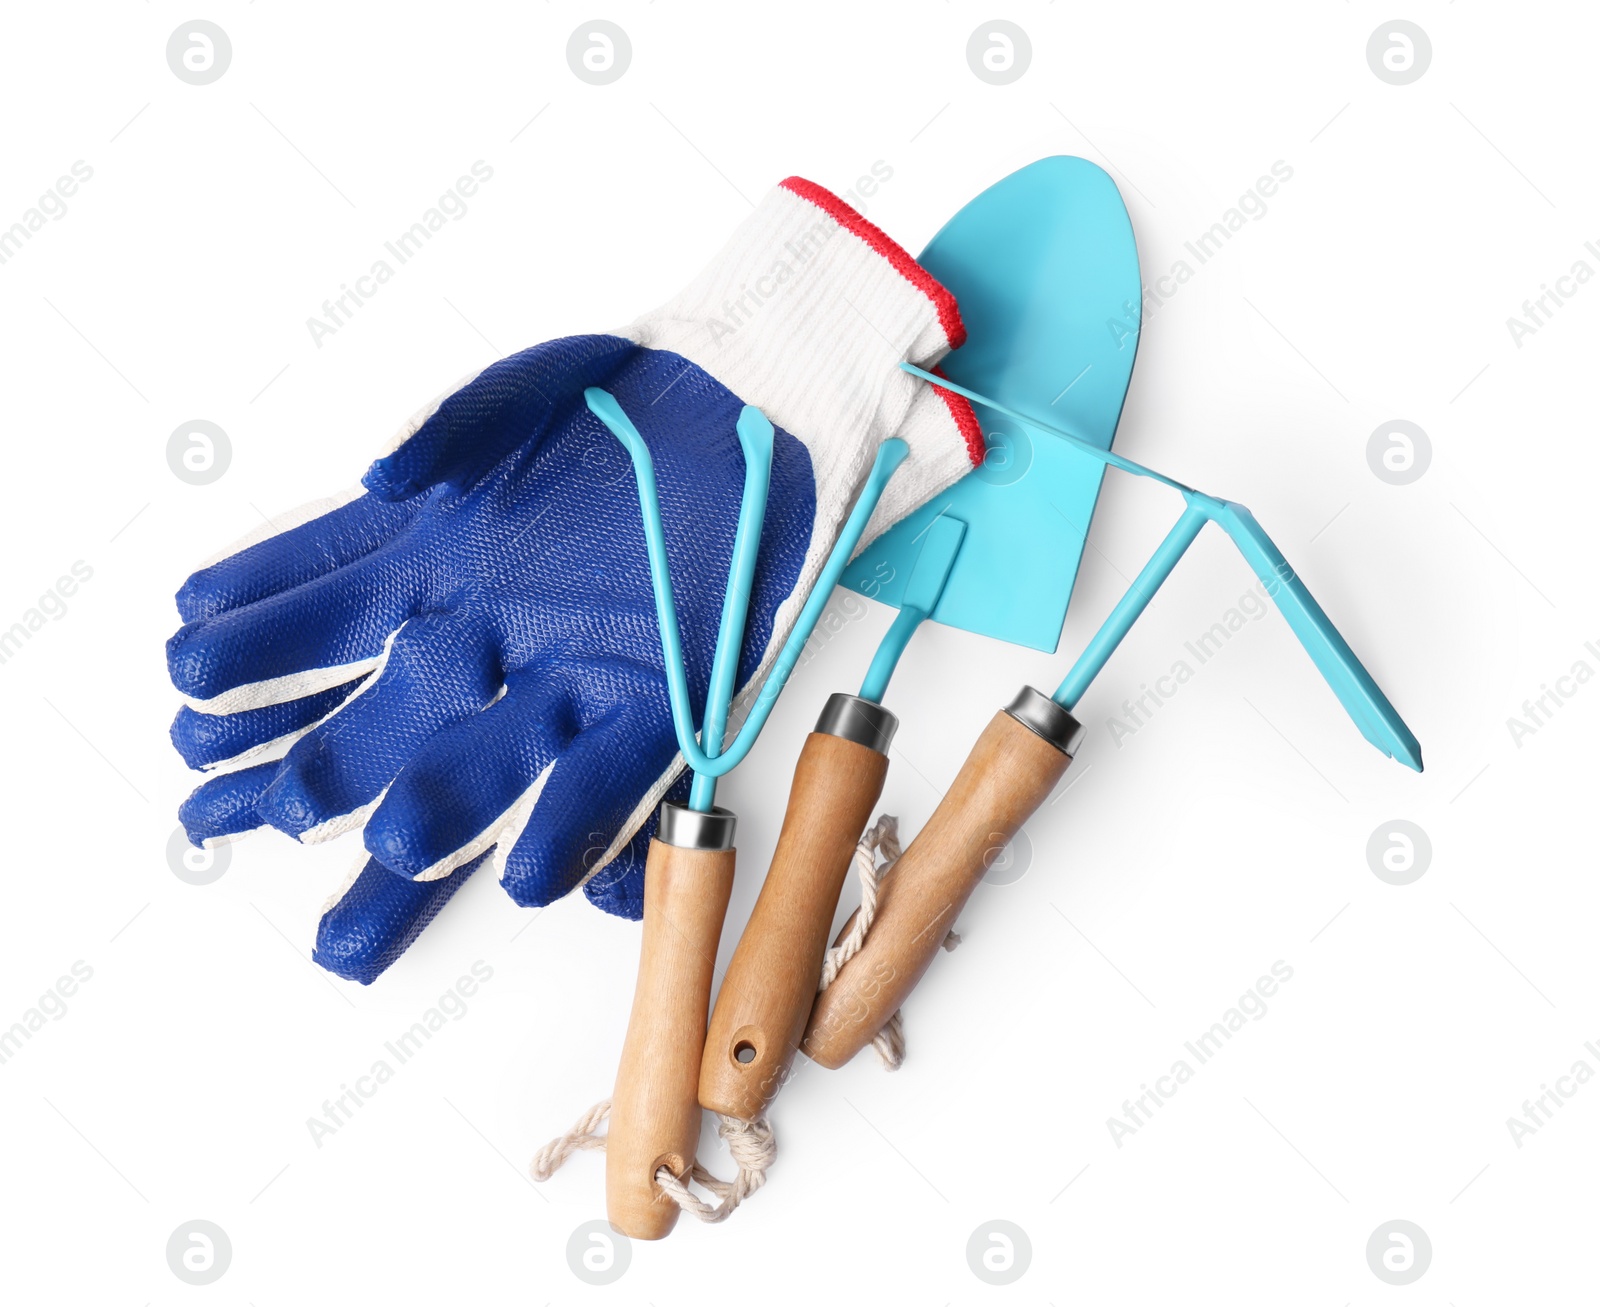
(807,313)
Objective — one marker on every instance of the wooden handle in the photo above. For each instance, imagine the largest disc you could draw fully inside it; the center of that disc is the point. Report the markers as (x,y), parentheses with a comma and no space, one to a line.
(1005,778)
(655,1114)
(767,994)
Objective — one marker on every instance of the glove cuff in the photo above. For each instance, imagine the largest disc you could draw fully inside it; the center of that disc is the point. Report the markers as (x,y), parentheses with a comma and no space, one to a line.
(952,331)
(807,313)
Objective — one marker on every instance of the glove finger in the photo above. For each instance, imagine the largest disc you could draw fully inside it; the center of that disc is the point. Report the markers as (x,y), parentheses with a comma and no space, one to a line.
(207,740)
(439,670)
(458,792)
(226,805)
(618,887)
(507,405)
(591,793)
(297,643)
(258,566)
(377,918)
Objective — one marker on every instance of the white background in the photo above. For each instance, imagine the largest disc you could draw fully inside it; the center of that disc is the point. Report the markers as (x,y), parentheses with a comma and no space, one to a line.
(1228,834)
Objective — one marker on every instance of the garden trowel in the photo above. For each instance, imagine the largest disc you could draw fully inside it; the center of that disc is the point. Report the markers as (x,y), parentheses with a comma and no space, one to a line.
(1044,267)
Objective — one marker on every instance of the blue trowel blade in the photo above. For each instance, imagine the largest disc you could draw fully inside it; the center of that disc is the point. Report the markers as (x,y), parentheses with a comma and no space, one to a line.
(1044,267)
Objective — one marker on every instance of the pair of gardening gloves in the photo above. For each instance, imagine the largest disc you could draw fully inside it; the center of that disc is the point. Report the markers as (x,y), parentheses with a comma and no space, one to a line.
(460,657)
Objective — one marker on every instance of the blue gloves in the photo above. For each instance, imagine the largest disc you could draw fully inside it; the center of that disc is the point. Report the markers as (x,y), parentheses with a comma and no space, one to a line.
(463,660)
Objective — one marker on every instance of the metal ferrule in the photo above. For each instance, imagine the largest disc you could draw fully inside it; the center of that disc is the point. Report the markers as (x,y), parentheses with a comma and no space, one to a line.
(1047,719)
(684,828)
(858,720)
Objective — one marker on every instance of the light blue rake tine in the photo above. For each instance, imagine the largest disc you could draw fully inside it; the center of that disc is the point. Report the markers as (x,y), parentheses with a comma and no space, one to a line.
(891,453)
(755,438)
(712,762)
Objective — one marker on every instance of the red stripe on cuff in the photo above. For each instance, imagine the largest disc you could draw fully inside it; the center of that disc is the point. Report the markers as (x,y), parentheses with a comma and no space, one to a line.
(965,419)
(944,302)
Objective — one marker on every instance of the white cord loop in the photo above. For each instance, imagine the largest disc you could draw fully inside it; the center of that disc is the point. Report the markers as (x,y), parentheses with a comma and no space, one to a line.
(881,840)
(751,1144)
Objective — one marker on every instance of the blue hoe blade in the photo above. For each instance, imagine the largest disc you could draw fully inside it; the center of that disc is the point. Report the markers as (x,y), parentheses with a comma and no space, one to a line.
(1373,714)
(1367,705)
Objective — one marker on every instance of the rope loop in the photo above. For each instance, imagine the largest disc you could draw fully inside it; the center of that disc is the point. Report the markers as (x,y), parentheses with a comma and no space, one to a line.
(880,841)
(751,1144)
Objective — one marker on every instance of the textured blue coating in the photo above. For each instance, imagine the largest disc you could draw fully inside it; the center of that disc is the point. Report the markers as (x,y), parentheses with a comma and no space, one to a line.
(503,542)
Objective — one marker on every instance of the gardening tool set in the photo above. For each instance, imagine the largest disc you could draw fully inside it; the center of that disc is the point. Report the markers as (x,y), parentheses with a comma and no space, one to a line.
(507,644)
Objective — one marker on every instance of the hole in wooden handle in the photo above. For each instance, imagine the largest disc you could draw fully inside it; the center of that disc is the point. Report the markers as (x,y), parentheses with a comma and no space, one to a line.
(674,1163)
